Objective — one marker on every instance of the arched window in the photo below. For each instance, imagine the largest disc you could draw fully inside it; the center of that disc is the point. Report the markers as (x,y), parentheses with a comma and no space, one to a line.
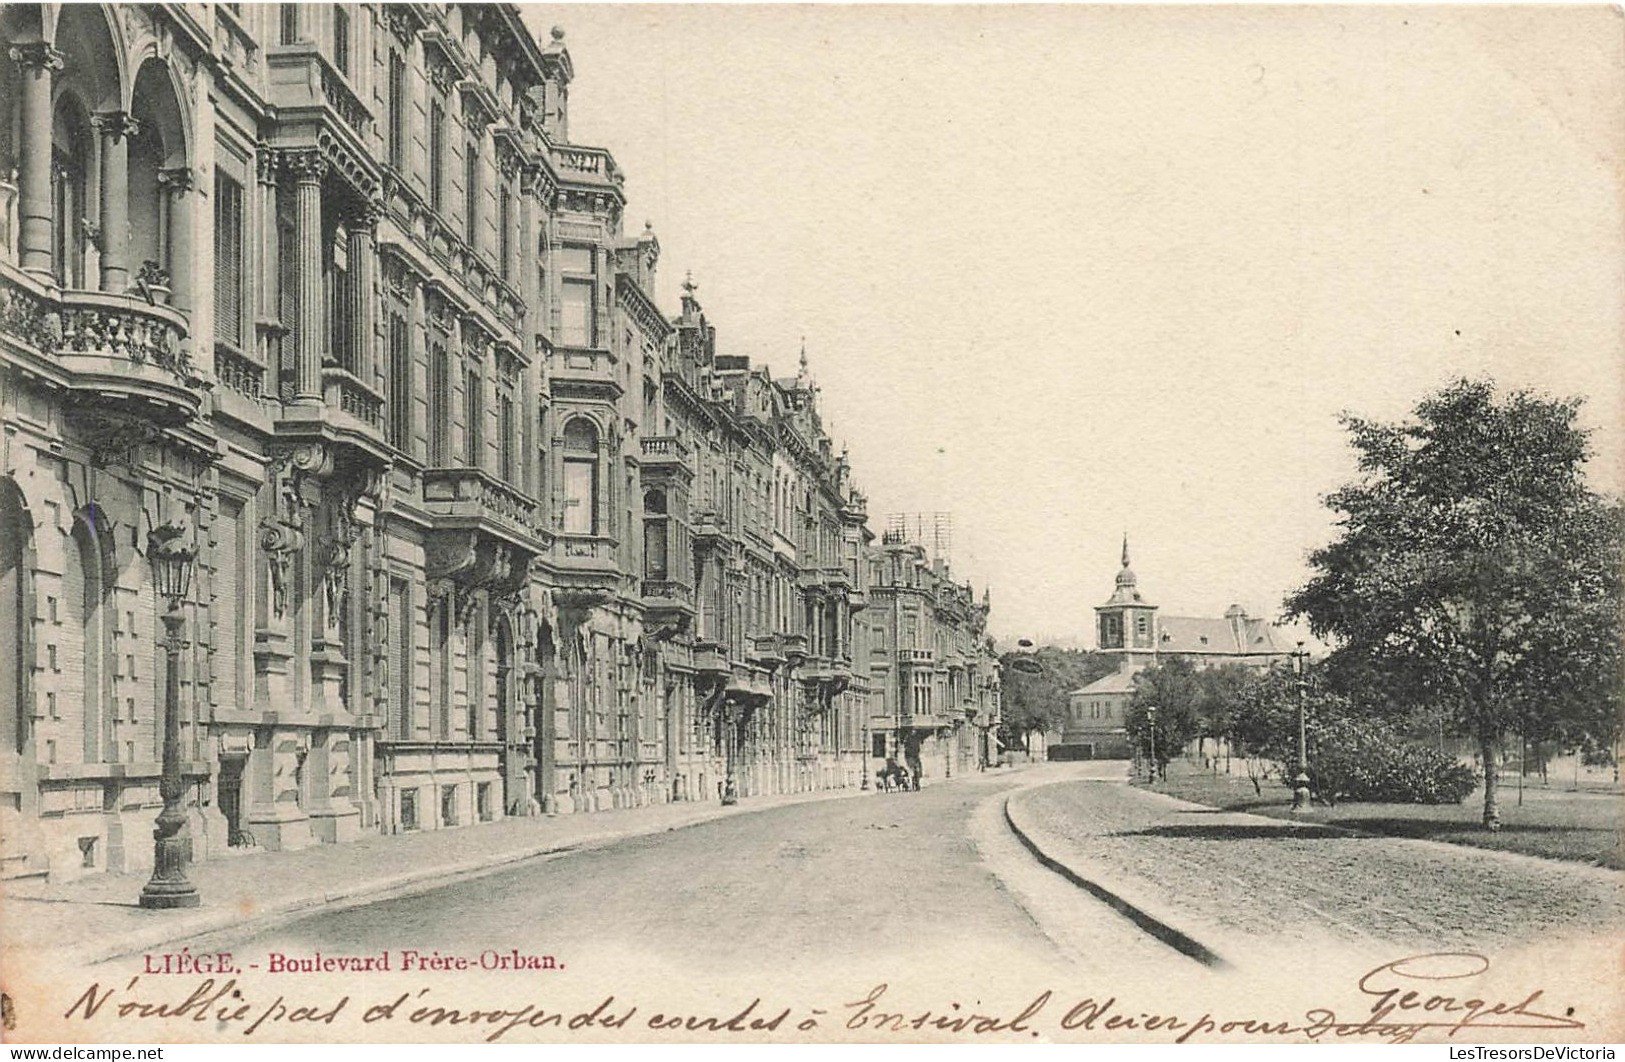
(580,477)
(70,208)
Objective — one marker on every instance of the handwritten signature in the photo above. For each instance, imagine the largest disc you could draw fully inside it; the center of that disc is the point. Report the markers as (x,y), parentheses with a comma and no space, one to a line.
(1406,997)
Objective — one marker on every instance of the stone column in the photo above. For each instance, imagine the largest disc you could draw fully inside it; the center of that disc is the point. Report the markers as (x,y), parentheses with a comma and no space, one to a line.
(308,169)
(36,60)
(363,269)
(178,186)
(116,128)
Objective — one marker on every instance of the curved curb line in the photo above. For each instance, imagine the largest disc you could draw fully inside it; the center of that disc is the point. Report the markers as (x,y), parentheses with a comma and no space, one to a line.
(1147,922)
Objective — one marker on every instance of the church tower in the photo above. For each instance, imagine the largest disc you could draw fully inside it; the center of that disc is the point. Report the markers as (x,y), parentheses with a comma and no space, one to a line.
(1126,625)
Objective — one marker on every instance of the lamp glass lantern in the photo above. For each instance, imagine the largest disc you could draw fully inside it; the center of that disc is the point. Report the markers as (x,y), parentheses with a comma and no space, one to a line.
(172,561)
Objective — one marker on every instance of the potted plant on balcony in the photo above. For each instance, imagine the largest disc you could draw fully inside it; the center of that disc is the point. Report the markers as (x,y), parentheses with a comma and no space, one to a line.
(152,281)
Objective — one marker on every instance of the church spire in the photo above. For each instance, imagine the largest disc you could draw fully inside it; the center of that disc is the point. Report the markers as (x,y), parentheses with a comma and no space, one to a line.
(1125,549)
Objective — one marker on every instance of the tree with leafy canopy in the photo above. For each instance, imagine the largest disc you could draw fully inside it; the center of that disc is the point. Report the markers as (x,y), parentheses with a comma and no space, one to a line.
(1033,696)
(1175,691)
(1475,570)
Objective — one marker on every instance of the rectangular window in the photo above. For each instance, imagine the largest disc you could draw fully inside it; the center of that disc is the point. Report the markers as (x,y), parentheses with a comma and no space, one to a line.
(397,111)
(448,805)
(578,326)
(505,233)
(505,446)
(439,405)
(576,313)
(290,24)
(400,650)
(654,549)
(399,396)
(287,244)
(341,40)
(228,260)
(440,665)
(473,421)
(471,195)
(580,489)
(437,156)
(409,809)
(340,306)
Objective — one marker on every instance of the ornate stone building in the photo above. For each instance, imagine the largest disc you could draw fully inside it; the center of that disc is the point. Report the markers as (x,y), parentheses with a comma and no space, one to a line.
(935,676)
(480,531)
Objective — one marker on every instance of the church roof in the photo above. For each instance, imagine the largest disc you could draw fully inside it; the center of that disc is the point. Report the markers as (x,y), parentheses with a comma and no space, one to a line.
(1121,681)
(1198,635)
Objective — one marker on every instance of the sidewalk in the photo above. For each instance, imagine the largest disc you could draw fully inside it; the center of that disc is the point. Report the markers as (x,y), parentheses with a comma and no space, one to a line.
(1245,887)
(97,918)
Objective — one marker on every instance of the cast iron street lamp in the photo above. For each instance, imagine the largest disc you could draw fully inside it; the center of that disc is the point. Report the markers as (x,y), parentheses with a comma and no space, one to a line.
(170,558)
(1151,719)
(1300,792)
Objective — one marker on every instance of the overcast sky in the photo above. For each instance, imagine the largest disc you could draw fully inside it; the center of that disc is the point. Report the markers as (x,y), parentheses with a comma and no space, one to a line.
(1066,272)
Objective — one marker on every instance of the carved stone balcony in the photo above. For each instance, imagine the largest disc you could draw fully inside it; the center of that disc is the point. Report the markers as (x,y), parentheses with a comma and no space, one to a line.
(584,371)
(667,602)
(711,660)
(767,651)
(709,527)
(469,498)
(586,563)
(916,657)
(115,353)
(346,395)
(667,453)
(794,647)
(580,165)
(922,721)
(348,422)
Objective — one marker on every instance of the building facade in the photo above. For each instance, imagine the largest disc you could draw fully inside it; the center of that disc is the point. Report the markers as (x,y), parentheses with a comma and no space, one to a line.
(481,531)
(934,706)
(1129,628)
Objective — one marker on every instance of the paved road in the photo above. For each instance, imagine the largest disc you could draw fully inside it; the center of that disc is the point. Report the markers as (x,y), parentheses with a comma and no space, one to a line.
(929,881)
(930,894)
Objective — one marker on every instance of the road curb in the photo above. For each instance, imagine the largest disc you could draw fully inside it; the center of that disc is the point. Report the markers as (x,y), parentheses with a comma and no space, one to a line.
(1112,895)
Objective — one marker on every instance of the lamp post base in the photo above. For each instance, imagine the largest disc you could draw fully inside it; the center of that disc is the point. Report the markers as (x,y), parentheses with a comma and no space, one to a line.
(1300,795)
(170,897)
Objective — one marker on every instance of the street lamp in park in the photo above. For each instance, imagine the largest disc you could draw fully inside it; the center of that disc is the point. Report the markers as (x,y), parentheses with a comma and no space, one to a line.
(1151,721)
(1300,791)
(171,559)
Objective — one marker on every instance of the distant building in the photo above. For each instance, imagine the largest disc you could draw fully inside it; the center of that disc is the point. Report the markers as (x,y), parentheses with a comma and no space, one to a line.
(1128,627)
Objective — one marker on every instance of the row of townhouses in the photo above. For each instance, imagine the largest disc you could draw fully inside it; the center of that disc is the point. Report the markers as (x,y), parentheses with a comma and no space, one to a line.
(327,293)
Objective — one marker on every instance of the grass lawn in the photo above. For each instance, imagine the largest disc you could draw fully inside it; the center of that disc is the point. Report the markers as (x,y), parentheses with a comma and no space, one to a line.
(1585,827)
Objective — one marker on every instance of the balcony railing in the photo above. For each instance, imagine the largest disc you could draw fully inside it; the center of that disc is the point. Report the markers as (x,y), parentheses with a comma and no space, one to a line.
(472,492)
(342,391)
(659,449)
(234,372)
(710,657)
(591,164)
(709,523)
(111,346)
(583,367)
(916,656)
(668,590)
